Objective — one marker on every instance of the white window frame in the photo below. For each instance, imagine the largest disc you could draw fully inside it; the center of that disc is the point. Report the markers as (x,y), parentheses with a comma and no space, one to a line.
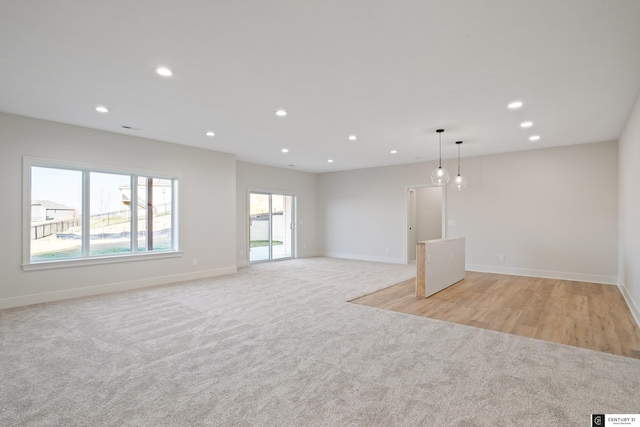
(86,259)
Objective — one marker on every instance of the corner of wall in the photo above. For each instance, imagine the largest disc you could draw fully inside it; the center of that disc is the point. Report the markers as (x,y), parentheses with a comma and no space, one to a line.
(356,257)
(635,311)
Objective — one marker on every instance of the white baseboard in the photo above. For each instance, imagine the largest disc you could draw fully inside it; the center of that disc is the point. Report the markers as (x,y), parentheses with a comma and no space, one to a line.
(309,254)
(111,287)
(633,307)
(245,262)
(388,260)
(562,275)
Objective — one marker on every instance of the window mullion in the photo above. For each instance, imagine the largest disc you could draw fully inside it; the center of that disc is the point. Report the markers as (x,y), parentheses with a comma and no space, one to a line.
(270,227)
(86,212)
(150,215)
(174,214)
(134,213)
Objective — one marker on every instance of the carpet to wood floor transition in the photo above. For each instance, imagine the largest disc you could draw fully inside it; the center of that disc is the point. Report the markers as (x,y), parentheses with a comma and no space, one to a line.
(586,315)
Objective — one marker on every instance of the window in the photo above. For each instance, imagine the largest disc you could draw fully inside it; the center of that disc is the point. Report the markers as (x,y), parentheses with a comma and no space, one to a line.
(76,214)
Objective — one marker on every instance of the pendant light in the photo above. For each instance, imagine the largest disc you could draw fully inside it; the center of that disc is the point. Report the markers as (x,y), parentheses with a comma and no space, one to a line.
(440,176)
(459,182)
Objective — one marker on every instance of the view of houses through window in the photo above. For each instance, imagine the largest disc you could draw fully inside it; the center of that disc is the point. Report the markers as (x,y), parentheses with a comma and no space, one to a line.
(82,213)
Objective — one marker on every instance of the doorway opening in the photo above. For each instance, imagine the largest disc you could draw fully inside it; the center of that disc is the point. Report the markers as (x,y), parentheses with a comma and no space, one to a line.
(271,226)
(425,217)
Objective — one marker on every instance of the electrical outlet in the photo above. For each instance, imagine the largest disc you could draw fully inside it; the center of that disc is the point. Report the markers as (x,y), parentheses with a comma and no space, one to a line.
(241,251)
(501,258)
(387,250)
(195,261)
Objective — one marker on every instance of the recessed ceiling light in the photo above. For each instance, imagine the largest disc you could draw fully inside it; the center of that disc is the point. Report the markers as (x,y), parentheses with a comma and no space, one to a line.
(330,161)
(534,138)
(526,124)
(514,105)
(285,150)
(164,71)
(210,133)
(102,109)
(352,137)
(281,113)
(393,151)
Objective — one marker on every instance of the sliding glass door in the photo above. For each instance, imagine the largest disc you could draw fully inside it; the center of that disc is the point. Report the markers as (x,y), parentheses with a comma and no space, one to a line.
(271,226)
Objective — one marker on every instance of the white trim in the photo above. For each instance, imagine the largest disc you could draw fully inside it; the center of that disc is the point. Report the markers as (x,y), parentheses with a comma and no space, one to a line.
(133,183)
(176,225)
(562,275)
(309,254)
(633,308)
(388,260)
(81,262)
(247,224)
(405,238)
(85,218)
(26,213)
(264,190)
(112,287)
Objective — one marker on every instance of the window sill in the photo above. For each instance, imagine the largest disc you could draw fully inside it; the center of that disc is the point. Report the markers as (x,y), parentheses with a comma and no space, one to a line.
(81,262)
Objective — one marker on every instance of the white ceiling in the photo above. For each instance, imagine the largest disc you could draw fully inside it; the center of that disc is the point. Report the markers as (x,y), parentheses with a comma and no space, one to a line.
(390,72)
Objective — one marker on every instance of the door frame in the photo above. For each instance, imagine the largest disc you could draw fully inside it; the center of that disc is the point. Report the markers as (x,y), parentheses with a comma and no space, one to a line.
(294,228)
(407,237)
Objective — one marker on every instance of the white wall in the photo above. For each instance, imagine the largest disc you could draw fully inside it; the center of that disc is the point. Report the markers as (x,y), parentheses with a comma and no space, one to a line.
(208,209)
(550,212)
(629,211)
(362,213)
(303,185)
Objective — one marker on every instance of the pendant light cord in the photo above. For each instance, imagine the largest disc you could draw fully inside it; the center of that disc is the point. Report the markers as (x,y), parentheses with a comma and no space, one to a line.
(458,143)
(440,139)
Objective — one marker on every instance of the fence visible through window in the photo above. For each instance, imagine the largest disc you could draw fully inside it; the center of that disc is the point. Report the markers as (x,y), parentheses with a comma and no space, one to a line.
(120,219)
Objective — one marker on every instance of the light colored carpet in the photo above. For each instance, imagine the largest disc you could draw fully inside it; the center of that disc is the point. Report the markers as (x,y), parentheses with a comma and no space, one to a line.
(278,345)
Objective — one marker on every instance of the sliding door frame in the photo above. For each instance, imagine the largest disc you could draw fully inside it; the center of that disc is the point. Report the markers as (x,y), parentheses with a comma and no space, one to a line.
(294,228)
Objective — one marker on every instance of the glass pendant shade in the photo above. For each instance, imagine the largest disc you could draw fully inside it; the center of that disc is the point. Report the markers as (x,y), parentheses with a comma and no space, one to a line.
(459,182)
(440,176)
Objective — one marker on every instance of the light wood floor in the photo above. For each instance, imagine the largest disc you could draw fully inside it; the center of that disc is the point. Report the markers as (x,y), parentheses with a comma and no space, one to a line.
(587,315)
